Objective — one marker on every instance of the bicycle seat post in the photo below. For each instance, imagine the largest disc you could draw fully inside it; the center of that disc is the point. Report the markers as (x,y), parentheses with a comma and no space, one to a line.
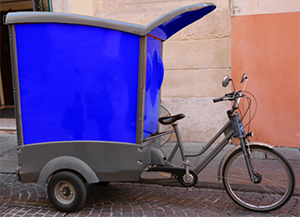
(179,141)
(172,120)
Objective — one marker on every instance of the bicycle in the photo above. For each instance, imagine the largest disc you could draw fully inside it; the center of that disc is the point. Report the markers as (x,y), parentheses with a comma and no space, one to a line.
(254,175)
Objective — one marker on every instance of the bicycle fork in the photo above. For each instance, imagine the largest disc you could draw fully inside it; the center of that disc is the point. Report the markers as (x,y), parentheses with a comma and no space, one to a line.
(254,177)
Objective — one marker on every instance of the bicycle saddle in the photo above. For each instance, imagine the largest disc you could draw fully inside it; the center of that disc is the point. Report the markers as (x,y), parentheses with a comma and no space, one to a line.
(170,119)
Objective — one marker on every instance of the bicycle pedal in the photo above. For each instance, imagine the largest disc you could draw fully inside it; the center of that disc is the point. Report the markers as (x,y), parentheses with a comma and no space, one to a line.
(191,189)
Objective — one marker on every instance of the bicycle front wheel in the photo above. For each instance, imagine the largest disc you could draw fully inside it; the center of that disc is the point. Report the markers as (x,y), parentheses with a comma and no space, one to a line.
(274,187)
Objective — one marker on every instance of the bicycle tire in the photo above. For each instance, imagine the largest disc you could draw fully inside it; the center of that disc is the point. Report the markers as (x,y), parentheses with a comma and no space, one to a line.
(277,179)
(164,111)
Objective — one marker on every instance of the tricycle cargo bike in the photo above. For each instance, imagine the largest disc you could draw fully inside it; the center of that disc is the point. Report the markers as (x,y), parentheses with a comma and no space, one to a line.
(87,97)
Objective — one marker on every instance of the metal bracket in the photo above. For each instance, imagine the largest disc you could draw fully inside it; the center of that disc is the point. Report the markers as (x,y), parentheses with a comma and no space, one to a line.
(187,178)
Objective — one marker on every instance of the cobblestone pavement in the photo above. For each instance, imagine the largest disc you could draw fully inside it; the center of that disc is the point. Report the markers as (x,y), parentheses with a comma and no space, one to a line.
(129,199)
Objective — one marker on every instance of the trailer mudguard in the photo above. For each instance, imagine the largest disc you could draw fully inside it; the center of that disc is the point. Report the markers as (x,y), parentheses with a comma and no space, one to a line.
(67,163)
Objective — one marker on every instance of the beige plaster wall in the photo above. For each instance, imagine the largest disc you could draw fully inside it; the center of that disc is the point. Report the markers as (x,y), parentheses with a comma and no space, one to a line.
(195,59)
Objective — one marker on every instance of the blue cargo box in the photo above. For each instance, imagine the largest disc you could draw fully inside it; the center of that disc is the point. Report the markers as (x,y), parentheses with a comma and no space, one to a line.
(89,89)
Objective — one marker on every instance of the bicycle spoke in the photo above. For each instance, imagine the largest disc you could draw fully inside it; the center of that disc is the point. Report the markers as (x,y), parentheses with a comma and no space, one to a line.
(270,192)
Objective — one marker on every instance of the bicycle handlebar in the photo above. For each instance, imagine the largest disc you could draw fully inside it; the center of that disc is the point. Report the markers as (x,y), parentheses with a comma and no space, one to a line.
(229,96)
(233,96)
(218,99)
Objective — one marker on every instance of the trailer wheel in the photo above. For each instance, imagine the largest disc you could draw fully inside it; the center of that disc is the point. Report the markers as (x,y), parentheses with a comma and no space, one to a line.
(66,191)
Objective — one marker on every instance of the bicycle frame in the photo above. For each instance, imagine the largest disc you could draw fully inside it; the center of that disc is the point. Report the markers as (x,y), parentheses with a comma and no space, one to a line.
(229,131)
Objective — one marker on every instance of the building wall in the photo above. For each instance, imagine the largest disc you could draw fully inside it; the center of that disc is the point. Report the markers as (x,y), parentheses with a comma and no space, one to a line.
(15,5)
(195,59)
(265,45)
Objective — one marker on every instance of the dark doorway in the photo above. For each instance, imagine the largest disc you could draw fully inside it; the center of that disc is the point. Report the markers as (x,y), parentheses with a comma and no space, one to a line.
(7,87)
(6,83)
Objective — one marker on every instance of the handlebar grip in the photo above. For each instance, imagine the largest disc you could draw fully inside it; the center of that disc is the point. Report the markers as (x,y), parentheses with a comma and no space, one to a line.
(218,99)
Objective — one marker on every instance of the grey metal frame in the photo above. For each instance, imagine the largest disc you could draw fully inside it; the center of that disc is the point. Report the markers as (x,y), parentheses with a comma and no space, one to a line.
(141,89)
(14,66)
(48,17)
(90,159)
(229,131)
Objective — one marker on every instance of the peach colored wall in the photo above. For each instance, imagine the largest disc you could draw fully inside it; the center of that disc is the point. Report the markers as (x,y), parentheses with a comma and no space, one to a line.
(266,47)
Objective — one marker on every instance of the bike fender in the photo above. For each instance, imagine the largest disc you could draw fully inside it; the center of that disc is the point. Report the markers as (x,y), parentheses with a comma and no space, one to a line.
(157,156)
(67,163)
(220,168)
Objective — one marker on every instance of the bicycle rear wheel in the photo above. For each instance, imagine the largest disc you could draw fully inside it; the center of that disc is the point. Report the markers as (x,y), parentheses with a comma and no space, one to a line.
(275,186)
(164,112)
